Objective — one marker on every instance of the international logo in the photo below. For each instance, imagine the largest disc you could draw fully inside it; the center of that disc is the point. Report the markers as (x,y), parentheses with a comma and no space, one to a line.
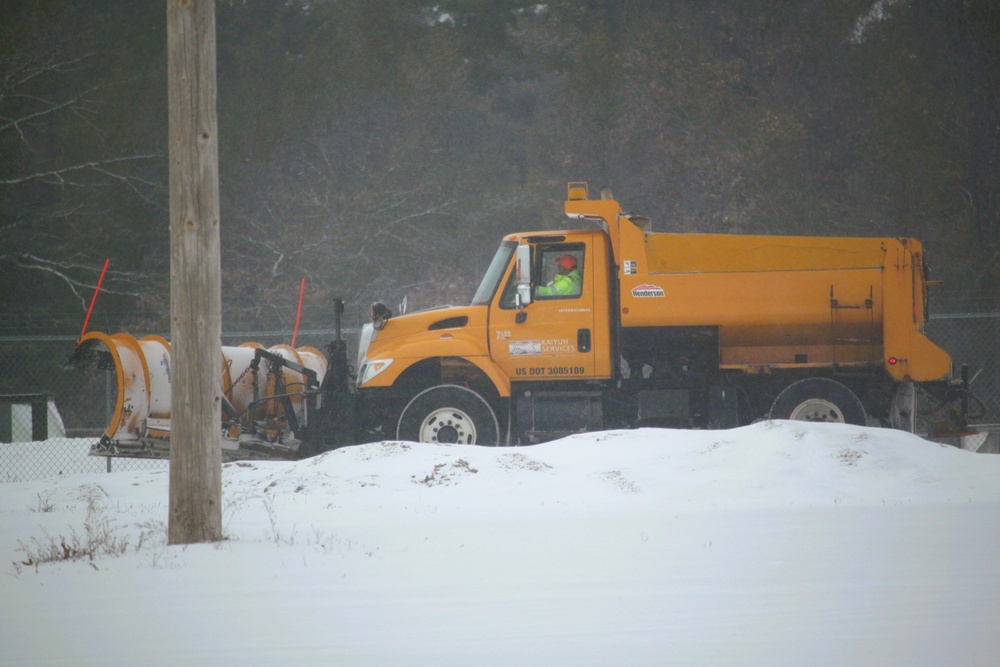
(647,291)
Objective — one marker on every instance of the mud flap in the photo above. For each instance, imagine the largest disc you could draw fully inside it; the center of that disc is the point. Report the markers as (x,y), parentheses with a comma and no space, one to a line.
(902,412)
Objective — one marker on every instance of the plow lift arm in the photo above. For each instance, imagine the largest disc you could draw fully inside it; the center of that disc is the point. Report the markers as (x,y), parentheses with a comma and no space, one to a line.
(334,422)
(276,363)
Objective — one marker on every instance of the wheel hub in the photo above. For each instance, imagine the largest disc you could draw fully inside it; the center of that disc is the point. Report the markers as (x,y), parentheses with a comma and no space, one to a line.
(448,426)
(817,410)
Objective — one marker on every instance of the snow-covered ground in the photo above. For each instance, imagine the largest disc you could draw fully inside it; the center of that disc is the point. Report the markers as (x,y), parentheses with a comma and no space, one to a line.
(776,544)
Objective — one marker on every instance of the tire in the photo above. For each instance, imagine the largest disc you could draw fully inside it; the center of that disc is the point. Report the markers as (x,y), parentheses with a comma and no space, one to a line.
(449,414)
(819,400)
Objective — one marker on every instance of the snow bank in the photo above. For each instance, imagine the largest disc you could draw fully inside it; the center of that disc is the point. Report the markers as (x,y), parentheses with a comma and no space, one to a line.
(776,544)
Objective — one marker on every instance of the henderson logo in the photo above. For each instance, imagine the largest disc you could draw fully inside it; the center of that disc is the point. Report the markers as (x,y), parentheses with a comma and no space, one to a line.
(647,290)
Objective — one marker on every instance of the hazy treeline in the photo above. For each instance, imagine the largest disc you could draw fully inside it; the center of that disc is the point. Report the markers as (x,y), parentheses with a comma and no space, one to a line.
(380,148)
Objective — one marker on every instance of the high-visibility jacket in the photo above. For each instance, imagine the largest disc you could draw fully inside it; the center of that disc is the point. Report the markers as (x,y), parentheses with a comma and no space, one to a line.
(564,284)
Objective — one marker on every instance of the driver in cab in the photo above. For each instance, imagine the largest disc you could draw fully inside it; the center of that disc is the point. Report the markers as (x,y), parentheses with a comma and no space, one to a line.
(567,281)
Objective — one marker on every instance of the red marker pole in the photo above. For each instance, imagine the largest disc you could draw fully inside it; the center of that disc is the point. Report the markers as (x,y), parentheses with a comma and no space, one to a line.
(93,299)
(298,315)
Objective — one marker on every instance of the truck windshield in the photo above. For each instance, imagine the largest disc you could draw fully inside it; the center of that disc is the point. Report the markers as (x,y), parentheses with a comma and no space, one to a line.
(498,267)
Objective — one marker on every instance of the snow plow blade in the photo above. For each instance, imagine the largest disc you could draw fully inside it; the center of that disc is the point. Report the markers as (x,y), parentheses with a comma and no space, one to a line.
(266,396)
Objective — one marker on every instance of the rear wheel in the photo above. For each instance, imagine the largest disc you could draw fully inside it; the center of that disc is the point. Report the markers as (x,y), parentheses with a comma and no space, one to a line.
(819,400)
(449,414)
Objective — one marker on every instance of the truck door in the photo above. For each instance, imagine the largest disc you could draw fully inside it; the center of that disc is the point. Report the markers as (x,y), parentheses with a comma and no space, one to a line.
(564,332)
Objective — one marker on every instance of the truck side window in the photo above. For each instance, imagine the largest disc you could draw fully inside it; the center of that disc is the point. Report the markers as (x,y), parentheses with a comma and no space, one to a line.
(507,300)
(561,272)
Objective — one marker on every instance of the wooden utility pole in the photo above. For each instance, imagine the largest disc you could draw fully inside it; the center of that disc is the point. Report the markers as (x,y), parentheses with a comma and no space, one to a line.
(195,283)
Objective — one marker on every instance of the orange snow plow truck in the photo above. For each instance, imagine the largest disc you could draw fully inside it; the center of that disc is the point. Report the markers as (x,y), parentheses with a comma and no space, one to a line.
(608,325)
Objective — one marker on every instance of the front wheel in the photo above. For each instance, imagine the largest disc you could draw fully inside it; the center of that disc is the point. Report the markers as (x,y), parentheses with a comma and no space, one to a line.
(819,400)
(449,414)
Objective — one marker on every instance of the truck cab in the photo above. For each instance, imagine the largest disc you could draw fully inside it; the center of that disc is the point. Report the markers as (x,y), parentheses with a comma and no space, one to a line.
(542,332)
(519,332)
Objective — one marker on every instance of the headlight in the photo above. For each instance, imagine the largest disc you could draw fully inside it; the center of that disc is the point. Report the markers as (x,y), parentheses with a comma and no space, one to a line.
(373,368)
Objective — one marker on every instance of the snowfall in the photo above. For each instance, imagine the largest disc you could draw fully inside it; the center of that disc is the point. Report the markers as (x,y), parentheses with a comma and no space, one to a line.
(780,543)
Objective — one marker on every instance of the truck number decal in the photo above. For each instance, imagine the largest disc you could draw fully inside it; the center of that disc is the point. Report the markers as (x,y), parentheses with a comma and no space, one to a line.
(549,371)
(502,335)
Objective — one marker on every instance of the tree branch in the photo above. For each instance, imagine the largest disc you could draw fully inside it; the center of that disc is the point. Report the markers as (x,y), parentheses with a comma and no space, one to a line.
(59,174)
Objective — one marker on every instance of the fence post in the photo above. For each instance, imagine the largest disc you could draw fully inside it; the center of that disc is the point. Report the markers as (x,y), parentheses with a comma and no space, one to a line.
(39,415)
(40,418)
(6,423)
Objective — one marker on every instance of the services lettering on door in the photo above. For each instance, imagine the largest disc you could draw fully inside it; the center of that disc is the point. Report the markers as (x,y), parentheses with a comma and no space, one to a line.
(548,346)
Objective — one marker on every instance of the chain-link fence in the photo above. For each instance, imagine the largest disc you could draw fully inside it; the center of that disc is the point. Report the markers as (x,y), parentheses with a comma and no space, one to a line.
(72,407)
(52,434)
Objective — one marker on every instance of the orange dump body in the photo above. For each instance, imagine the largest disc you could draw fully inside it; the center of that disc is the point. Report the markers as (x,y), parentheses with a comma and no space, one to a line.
(778,300)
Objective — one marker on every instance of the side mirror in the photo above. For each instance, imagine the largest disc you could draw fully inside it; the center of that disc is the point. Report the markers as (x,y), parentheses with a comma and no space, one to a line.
(523,275)
(521,316)
(380,315)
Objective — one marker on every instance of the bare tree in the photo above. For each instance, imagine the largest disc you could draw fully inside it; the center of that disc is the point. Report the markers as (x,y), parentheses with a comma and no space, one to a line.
(61,177)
